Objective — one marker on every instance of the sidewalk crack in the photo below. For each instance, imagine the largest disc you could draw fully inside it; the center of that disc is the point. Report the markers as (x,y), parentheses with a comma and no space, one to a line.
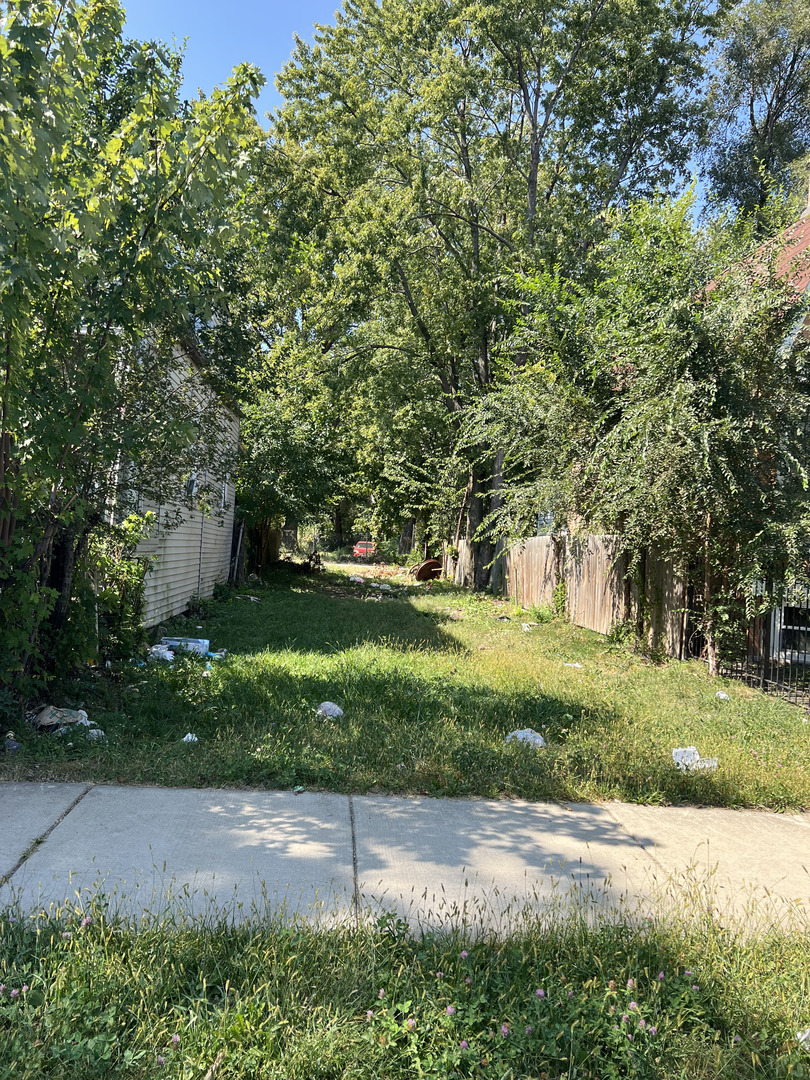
(40,840)
(354,865)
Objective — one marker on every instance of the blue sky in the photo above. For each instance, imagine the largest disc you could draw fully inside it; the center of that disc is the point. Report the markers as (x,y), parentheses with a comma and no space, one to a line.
(222,35)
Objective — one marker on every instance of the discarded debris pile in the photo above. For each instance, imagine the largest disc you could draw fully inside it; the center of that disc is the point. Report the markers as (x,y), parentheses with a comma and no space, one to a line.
(59,722)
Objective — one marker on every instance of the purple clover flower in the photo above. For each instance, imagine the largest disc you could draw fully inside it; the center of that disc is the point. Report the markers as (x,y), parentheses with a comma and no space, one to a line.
(464,1044)
(540,993)
(450,1010)
(504,1030)
(175,1039)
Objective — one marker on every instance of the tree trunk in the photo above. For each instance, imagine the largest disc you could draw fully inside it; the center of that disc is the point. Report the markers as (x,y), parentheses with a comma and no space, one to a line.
(496,576)
(338,520)
(406,537)
(481,550)
(708,614)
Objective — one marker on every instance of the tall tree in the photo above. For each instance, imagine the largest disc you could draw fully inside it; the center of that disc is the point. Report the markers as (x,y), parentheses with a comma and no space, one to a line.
(667,411)
(760,99)
(447,144)
(112,192)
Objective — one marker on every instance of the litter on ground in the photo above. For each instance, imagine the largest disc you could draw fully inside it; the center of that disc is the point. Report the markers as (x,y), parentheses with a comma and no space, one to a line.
(190,737)
(357,579)
(52,718)
(188,644)
(572,665)
(160,652)
(688,759)
(329,708)
(722,695)
(527,735)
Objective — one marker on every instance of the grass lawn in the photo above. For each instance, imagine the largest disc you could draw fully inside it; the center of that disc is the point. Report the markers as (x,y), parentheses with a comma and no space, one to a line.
(431,680)
(84,997)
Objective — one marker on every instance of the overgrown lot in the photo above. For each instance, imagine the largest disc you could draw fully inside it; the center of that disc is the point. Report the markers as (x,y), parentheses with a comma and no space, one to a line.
(81,996)
(431,680)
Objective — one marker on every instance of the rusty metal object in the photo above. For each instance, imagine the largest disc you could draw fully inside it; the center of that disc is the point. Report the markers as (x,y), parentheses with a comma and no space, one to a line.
(428,570)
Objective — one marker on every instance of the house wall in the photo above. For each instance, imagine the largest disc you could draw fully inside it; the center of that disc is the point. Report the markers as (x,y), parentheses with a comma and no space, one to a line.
(192,556)
(190,559)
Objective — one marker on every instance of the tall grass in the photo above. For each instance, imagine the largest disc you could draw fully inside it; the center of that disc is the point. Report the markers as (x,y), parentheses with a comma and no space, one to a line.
(85,995)
(431,681)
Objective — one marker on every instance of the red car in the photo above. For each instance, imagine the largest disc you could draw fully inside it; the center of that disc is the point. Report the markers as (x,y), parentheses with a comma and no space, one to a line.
(364,549)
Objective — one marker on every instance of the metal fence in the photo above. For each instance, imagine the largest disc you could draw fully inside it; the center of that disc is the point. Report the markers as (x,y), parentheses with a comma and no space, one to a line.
(777,651)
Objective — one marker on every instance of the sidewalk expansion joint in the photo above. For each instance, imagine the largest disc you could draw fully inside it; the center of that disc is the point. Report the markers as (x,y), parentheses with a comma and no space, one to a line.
(648,850)
(40,840)
(354,865)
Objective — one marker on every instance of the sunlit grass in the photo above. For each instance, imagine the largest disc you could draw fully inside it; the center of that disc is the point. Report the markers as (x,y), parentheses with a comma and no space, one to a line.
(430,681)
(83,994)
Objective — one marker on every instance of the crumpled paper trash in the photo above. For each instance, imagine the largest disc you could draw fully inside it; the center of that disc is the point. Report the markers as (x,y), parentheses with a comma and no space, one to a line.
(803,1039)
(568,664)
(722,695)
(329,708)
(190,737)
(688,759)
(357,579)
(527,735)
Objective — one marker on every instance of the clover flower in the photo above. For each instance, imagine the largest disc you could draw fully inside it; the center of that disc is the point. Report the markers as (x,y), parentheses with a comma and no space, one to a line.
(175,1039)
(504,1030)
(450,1010)
(540,993)
(464,1044)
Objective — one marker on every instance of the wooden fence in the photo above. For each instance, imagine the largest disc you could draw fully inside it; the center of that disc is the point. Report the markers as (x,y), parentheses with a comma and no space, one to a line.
(598,595)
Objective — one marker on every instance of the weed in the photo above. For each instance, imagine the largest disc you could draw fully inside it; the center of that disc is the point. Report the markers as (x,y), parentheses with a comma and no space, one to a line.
(431,679)
(85,994)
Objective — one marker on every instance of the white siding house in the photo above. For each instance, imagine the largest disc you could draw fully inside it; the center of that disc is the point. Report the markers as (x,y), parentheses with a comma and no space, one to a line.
(190,558)
(190,543)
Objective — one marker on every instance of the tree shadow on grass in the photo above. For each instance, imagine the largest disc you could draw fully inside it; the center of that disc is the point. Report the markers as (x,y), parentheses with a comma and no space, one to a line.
(306,618)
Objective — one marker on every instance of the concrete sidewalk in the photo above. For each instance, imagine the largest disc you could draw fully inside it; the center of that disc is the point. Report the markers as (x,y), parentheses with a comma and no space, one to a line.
(431,861)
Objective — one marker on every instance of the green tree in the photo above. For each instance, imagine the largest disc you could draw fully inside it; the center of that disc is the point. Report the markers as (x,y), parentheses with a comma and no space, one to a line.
(112,221)
(760,103)
(436,148)
(670,412)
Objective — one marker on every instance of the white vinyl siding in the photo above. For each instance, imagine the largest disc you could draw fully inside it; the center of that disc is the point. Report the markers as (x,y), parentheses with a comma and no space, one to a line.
(191,559)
